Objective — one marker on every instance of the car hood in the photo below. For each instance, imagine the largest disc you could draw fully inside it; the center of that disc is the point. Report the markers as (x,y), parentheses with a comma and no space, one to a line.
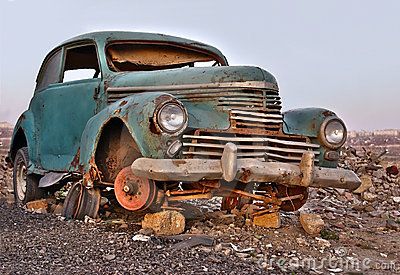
(187,76)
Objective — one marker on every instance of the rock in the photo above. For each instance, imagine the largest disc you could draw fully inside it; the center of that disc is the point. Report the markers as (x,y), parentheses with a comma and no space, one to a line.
(141,238)
(269,220)
(323,243)
(366,183)
(391,224)
(109,257)
(311,223)
(146,231)
(38,206)
(396,199)
(57,210)
(167,222)
(301,241)
(369,196)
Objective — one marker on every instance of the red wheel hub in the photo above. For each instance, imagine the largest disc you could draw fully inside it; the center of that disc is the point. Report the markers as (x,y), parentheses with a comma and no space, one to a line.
(132,192)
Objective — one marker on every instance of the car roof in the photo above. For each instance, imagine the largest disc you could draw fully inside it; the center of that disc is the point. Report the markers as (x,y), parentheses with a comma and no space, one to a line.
(108,36)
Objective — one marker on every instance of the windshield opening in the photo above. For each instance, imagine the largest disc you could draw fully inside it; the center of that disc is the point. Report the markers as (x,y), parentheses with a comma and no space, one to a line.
(150,57)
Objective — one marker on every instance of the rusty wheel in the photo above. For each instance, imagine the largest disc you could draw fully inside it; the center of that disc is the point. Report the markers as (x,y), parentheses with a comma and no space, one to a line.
(81,202)
(132,192)
(295,204)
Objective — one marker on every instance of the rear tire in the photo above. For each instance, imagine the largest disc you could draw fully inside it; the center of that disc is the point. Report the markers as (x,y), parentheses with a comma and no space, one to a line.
(26,187)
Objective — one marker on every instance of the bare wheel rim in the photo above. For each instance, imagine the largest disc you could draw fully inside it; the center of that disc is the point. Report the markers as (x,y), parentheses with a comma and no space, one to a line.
(21,180)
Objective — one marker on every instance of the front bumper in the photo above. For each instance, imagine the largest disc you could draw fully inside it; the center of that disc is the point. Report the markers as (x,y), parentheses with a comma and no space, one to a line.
(230,168)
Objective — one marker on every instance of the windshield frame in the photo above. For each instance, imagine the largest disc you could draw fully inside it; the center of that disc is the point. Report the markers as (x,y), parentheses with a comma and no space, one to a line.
(218,58)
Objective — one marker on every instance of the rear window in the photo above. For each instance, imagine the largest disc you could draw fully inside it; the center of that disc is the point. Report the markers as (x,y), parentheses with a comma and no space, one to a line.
(149,57)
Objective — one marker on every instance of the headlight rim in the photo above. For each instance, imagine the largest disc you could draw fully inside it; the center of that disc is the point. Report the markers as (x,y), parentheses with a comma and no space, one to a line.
(159,124)
(322,135)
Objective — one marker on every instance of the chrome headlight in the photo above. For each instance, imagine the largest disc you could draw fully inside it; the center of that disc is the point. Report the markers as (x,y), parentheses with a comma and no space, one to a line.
(333,133)
(171,117)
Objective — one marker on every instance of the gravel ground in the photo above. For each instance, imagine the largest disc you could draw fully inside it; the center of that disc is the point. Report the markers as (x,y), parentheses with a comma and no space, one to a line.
(33,243)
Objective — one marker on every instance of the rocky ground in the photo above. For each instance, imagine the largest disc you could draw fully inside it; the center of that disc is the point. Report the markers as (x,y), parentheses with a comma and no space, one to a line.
(360,235)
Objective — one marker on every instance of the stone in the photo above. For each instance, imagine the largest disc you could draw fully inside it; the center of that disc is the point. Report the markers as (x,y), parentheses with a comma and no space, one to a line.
(269,220)
(323,243)
(369,196)
(38,206)
(396,199)
(146,231)
(366,183)
(311,223)
(57,210)
(167,222)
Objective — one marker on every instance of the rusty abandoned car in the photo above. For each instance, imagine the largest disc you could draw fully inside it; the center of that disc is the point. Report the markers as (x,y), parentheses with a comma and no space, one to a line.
(153,119)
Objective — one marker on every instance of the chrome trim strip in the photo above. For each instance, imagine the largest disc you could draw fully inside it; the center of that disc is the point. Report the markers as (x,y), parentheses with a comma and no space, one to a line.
(255,139)
(255,114)
(250,147)
(254,119)
(244,84)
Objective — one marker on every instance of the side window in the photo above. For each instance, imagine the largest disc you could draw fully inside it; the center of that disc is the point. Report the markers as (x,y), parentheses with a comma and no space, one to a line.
(81,63)
(50,72)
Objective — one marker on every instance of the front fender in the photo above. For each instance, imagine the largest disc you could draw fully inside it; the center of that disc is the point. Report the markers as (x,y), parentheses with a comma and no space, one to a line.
(307,122)
(136,113)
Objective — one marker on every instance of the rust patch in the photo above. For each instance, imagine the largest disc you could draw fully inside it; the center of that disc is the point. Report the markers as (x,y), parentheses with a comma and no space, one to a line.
(245,175)
(328,113)
(162,98)
(123,103)
(75,161)
(178,162)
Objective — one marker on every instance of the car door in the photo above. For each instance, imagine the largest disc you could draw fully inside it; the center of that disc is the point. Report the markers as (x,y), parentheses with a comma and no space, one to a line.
(64,107)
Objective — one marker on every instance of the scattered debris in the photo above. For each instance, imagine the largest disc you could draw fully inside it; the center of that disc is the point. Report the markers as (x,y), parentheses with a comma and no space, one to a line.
(191,240)
(141,238)
(165,222)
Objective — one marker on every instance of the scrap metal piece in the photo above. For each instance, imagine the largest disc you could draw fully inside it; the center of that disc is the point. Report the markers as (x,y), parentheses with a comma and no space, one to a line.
(51,178)
(191,240)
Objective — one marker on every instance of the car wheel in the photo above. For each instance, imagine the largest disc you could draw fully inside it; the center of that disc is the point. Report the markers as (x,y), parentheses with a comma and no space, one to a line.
(26,187)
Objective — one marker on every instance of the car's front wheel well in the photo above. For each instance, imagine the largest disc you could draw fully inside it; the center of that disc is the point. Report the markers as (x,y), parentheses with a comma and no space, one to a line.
(115,149)
(19,142)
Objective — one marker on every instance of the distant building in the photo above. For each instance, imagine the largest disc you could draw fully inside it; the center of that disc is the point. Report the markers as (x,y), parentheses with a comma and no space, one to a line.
(377,133)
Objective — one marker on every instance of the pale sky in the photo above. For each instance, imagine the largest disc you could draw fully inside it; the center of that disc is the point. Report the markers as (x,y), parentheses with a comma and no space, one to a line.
(340,55)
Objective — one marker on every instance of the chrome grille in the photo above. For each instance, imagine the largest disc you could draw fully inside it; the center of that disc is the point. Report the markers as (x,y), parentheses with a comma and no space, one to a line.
(288,149)
(249,108)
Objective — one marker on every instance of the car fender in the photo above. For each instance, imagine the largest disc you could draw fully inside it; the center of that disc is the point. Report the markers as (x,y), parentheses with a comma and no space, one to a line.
(136,112)
(305,121)
(25,125)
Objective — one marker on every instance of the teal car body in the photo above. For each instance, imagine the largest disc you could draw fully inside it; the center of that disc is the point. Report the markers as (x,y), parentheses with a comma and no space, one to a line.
(96,126)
